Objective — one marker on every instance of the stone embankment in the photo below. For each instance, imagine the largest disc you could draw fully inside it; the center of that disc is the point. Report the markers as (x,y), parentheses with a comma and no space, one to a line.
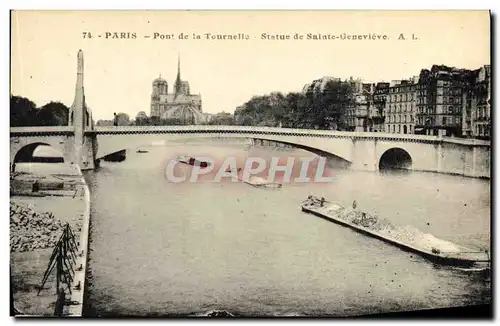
(30,230)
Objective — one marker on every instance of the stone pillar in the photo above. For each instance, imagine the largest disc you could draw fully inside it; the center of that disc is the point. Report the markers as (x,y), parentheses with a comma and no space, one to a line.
(82,153)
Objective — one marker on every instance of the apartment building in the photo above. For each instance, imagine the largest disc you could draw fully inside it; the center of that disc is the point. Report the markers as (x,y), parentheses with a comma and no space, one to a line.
(401,106)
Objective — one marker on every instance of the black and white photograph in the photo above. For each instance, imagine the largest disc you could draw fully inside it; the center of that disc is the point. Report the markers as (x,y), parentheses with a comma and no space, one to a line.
(242,164)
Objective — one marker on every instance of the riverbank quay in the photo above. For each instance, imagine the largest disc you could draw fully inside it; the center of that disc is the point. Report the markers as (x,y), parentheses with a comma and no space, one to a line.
(49,218)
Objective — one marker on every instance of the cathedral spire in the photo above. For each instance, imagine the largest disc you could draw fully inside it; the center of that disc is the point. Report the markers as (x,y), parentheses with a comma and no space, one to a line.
(178,82)
(178,65)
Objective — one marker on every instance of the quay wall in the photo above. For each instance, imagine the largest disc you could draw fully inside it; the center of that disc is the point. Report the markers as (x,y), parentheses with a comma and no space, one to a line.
(80,277)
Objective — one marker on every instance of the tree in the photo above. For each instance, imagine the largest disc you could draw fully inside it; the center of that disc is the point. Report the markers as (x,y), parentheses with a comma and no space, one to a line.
(141,119)
(290,116)
(123,119)
(22,112)
(222,118)
(104,123)
(53,114)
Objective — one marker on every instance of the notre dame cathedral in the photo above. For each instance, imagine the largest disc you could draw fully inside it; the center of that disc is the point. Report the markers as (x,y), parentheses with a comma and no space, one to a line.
(180,105)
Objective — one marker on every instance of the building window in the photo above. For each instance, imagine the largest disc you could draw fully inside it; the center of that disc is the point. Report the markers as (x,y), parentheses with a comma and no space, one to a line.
(444,121)
(399,129)
(404,118)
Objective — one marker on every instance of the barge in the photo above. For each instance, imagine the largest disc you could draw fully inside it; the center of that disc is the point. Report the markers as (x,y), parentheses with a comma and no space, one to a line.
(460,256)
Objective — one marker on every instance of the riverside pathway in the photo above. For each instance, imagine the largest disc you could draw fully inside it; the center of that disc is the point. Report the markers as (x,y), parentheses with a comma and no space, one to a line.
(67,202)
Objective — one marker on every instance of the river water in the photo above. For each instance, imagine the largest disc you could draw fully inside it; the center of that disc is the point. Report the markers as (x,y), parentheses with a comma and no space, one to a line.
(163,248)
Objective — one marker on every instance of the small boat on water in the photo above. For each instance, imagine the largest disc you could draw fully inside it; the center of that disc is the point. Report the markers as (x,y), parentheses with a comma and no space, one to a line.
(262,183)
(427,246)
(142,151)
(257,182)
(192,161)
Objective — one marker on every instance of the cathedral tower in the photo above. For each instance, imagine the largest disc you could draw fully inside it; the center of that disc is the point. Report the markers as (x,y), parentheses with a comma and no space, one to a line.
(160,87)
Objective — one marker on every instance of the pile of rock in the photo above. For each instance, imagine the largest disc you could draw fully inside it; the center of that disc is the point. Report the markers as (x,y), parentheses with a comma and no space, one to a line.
(30,230)
(364,219)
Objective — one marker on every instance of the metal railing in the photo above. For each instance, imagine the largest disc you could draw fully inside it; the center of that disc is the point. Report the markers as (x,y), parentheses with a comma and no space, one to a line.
(63,260)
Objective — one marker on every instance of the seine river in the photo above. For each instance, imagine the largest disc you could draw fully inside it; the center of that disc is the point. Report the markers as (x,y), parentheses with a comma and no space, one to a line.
(161,248)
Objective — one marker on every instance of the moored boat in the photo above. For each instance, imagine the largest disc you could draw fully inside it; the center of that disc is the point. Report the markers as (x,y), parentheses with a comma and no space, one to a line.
(259,182)
(272,185)
(192,161)
(142,151)
(408,239)
(256,181)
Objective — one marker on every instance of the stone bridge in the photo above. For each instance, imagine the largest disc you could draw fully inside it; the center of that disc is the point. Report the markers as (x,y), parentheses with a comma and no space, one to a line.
(81,143)
(362,150)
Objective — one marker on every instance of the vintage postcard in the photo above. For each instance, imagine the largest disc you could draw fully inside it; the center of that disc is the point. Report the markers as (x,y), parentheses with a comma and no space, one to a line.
(250,163)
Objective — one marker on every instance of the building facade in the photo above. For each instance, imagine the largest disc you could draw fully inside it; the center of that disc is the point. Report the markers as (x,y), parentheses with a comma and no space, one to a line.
(376,117)
(440,100)
(477,111)
(357,111)
(401,106)
(179,105)
(444,101)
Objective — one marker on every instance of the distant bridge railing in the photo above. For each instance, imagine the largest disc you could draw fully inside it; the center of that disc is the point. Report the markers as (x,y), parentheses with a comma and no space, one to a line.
(57,130)
(281,131)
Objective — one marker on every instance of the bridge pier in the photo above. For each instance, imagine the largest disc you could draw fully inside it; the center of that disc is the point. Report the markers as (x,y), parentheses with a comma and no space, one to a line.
(439,157)
(364,156)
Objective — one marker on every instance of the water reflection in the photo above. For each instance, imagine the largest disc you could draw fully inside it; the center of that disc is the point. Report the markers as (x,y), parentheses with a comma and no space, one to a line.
(164,248)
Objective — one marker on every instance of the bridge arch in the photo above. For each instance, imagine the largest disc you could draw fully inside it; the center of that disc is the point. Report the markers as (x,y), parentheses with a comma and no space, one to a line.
(336,147)
(26,154)
(395,158)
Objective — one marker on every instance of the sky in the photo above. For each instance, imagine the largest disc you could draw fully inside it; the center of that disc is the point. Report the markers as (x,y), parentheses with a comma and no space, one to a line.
(119,71)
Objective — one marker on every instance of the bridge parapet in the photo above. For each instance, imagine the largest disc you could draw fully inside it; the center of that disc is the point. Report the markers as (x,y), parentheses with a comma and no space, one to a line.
(45,130)
(283,131)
